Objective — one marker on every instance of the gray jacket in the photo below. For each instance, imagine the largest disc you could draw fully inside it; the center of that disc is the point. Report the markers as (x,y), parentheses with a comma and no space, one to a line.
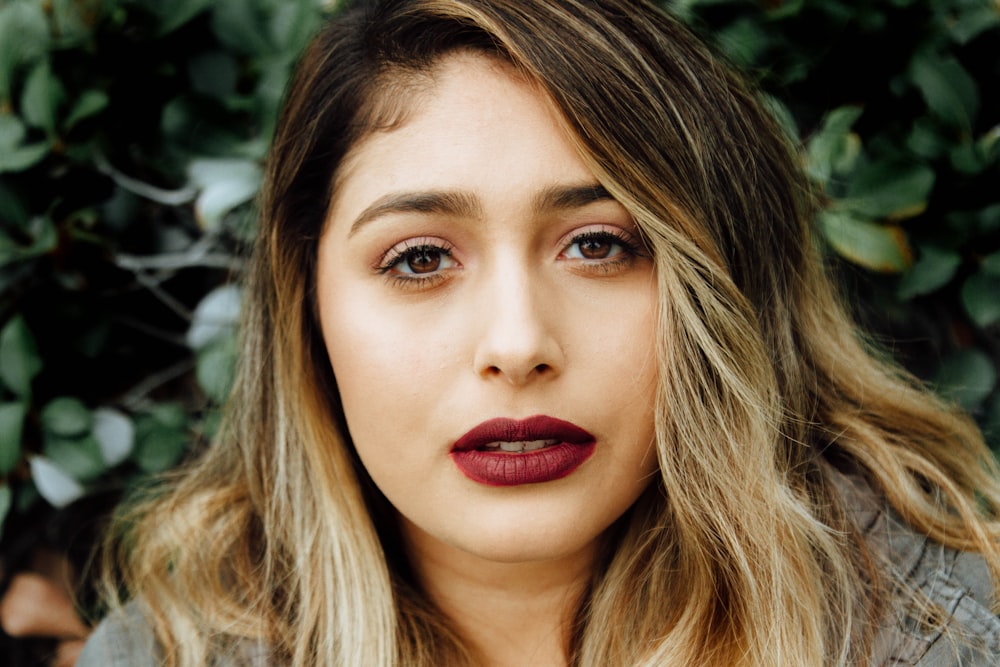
(955,582)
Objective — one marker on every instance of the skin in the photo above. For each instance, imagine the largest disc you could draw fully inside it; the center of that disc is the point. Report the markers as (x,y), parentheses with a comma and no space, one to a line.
(491,301)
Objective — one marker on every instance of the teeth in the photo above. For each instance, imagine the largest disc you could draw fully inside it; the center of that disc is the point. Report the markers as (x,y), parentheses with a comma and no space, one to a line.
(519,446)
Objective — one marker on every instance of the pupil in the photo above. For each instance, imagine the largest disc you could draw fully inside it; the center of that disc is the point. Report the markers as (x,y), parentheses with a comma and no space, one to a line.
(424,261)
(593,249)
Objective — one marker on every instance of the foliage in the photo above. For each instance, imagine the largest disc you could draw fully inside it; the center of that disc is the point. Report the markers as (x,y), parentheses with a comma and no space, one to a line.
(895,101)
(132,137)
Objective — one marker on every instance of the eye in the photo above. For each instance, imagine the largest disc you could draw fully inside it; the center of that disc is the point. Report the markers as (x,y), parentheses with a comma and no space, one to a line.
(603,247)
(417,260)
(595,246)
(422,259)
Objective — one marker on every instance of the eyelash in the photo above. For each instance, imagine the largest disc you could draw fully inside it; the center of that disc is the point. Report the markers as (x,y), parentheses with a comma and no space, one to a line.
(409,249)
(630,249)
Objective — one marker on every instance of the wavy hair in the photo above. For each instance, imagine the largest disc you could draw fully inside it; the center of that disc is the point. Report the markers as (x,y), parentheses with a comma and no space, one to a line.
(741,552)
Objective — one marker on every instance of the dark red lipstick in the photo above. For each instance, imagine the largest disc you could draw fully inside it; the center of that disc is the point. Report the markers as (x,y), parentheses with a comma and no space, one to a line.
(510,452)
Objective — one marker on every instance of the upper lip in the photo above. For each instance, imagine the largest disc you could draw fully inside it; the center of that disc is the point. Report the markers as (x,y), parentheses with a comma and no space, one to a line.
(539,427)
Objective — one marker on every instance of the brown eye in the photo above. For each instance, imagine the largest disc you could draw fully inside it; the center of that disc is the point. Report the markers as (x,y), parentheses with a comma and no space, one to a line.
(595,248)
(419,260)
(423,260)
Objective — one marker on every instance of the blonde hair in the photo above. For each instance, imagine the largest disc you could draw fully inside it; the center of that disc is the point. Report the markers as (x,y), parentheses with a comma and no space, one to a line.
(741,553)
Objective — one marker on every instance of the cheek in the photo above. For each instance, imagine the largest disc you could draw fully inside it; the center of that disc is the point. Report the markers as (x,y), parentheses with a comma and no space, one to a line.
(388,370)
(366,353)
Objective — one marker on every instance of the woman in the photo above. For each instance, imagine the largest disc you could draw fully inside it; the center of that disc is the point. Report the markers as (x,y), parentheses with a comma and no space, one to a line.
(541,367)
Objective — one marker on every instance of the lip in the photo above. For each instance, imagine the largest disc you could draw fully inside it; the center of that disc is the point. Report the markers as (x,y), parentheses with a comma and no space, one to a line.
(496,468)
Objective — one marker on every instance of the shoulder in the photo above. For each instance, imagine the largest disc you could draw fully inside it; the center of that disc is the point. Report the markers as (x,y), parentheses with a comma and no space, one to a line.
(126,639)
(941,614)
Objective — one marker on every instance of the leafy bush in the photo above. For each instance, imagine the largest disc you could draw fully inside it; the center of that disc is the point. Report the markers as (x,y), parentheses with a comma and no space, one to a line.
(132,137)
(896,104)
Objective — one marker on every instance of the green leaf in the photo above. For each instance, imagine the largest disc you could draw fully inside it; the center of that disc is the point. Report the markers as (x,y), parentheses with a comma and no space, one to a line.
(292,25)
(214,74)
(160,449)
(968,158)
(12,131)
(171,415)
(981,298)
(19,159)
(974,21)
(24,38)
(834,148)
(991,264)
(268,95)
(780,111)
(888,190)
(53,483)
(44,239)
(90,103)
(73,20)
(974,223)
(238,26)
(882,248)
(9,252)
(42,95)
(933,270)
(683,9)
(11,424)
(161,437)
(176,13)
(215,368)
(947,88)
(44,236)
(115,434)
(743,41)
(225,184)
(6,500)
(988,219)
(79,457)
(784,8)
(926,139)
(215,316)
(14,155)
(967,377)
(66,417)
(12,208)
(210,424)
(19,360)
(988,145)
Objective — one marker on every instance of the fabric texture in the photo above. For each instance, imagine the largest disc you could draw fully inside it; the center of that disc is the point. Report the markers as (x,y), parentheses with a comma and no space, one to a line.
(944,619)
(125,639)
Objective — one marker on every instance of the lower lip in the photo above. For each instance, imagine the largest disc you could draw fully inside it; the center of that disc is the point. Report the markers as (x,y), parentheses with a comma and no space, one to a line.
(508,469)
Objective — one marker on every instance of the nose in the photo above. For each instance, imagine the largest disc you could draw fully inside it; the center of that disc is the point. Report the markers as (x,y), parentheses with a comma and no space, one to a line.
(520,318)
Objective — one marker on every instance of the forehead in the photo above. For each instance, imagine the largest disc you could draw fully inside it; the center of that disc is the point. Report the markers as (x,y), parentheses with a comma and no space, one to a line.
(472,124)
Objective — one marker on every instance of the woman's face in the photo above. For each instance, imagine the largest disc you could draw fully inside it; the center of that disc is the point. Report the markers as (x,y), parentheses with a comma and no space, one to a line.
(481,295)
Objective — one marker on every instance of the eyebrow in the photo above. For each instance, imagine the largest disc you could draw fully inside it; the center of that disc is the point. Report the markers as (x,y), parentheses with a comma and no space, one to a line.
(564,197)
(463,204)
(440,203)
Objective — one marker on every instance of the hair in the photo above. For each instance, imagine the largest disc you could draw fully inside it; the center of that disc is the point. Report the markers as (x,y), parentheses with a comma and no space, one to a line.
(741,552)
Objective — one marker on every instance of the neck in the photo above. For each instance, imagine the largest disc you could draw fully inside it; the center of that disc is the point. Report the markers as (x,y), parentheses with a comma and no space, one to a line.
(508,613)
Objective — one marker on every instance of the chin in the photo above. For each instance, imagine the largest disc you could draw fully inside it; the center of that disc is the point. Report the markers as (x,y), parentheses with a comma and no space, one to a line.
(528,541)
